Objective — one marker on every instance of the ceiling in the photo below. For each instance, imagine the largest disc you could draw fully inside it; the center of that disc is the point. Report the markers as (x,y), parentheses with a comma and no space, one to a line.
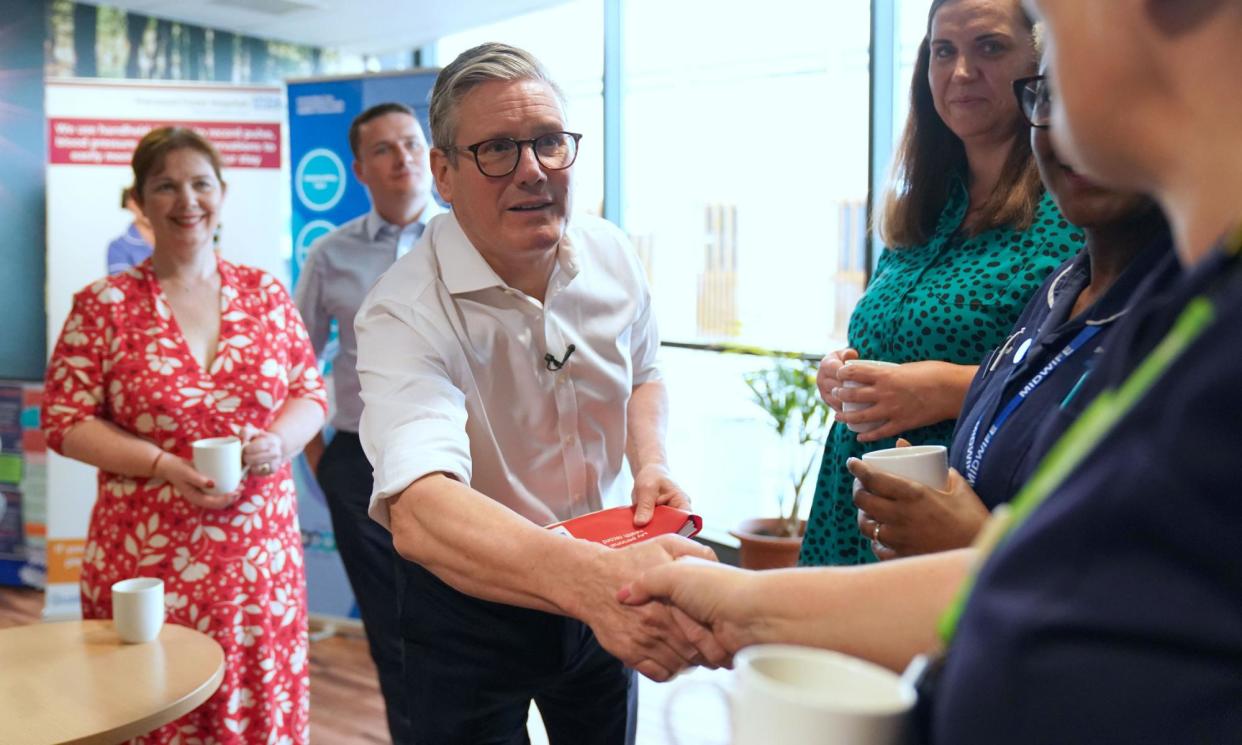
(357,27)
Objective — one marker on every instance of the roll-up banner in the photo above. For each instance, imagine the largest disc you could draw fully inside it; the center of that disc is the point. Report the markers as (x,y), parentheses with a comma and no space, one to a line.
(93,127)
(325,194)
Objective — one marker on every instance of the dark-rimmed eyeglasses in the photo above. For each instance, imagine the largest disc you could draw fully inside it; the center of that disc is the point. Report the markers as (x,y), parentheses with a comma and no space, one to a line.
(498,157)
(1034,100)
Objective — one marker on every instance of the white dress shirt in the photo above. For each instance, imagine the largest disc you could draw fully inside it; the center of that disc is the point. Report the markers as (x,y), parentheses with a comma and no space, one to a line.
(340,270)
(451,361)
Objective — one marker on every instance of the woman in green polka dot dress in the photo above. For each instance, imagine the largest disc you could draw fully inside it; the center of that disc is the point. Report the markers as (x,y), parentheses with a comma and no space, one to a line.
(973,236)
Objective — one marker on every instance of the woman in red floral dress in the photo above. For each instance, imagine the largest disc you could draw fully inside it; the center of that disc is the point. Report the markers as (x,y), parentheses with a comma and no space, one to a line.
(181,347)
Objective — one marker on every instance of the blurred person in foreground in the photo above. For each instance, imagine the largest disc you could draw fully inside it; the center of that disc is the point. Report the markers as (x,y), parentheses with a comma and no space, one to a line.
(1104,605)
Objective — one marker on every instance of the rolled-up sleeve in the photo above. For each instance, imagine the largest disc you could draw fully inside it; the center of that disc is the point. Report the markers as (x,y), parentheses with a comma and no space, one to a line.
(414,414)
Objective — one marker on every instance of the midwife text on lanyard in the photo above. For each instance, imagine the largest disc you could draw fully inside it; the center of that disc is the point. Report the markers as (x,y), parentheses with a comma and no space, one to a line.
(974,456)
(1095,423)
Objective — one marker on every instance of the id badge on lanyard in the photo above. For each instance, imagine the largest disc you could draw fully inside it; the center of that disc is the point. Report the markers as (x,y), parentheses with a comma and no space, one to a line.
(975,455)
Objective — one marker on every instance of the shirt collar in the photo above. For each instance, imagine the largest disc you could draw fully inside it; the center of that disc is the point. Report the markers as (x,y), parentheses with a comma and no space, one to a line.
(374,224)
(1119,298)
(133,235)
(463,269)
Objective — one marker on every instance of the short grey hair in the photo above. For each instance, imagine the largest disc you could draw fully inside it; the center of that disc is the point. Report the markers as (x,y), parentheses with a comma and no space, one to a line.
(475,66)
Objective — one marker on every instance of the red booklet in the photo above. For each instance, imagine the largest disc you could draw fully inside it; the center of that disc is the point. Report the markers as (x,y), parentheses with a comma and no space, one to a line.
(615,527)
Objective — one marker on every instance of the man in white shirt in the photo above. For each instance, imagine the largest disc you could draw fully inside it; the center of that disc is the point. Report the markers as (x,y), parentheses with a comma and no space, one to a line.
(390,160)
(507,367)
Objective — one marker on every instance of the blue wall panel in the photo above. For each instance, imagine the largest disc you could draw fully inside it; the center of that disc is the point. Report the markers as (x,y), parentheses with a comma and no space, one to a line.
(22,232)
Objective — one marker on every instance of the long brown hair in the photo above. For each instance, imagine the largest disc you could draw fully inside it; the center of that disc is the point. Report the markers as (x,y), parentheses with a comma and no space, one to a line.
(929,152)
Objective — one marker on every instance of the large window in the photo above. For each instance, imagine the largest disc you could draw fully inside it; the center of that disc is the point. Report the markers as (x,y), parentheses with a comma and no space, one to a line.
(744,151)
(911,26)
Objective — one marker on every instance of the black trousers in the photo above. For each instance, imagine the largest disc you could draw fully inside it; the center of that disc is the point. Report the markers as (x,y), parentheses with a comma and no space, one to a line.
(370,562)
(472,668)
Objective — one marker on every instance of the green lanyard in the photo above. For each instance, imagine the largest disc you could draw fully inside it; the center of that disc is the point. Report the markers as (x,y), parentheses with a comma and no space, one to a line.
(1099,418)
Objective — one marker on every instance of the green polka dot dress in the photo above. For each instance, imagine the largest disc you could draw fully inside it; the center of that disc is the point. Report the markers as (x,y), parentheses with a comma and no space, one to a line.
(952,299)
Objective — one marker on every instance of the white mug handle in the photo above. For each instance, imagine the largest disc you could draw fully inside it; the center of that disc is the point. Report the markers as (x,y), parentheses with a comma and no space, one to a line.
(245,469)
(670,705)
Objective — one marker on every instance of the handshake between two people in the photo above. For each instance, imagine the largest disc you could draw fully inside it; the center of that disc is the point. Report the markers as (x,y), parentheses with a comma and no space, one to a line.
(639,618)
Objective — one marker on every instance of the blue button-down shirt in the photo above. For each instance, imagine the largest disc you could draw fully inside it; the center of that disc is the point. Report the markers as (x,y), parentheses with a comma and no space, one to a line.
(340,269)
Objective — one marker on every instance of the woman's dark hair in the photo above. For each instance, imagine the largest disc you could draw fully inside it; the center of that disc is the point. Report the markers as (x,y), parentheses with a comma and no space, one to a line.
(929,153)
(158,143)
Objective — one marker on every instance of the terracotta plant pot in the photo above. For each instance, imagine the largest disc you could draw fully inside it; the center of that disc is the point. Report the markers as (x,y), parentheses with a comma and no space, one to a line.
(763,547)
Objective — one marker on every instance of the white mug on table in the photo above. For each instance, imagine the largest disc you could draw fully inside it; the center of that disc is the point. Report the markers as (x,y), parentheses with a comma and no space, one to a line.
(783,693)
(138,609)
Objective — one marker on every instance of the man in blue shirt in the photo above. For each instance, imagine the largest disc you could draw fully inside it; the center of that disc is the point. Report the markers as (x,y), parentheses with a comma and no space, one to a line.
(390,159)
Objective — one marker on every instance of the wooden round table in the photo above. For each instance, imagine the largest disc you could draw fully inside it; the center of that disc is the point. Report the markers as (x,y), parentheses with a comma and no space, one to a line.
(76,682)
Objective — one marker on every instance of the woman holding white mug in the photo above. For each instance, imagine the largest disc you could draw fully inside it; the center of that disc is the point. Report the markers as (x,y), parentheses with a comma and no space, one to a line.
(970,236)
(1033,386)
(181,347)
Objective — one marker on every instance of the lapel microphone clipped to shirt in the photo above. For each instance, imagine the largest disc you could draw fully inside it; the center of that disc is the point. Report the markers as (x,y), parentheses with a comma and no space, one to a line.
(553,364)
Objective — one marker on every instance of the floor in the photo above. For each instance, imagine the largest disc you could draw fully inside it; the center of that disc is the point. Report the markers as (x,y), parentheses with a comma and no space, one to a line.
(346,708)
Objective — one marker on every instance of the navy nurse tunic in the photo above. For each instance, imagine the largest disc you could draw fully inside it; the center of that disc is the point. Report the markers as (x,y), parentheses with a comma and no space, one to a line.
(1114,612)
(998,465)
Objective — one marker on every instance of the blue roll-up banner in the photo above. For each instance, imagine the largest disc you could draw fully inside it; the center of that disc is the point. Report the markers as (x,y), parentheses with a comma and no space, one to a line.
(325,195)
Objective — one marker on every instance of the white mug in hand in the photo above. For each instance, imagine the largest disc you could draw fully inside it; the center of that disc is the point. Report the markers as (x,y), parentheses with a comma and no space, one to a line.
(856,406)
(926,464)
(783,693)
(220,459)
(138,609)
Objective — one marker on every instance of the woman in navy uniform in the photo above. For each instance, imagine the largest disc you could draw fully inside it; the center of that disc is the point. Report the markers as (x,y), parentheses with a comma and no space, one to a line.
(1005,428)
(1109,609)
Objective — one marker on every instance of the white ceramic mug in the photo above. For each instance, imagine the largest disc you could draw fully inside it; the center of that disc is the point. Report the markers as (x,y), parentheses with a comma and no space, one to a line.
(783,693)
(138,609)
(854,406)
(926,464)
(219,459)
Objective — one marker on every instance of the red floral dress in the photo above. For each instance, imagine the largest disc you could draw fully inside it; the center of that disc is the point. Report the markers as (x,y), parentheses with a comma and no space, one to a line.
(235,574)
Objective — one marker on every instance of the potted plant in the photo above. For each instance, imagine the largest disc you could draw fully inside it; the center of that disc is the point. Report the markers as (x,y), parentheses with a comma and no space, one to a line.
(787,394)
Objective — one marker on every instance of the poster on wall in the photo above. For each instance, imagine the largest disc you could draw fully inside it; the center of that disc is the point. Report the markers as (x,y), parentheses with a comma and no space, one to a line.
(92,129)
(12,535)
(33,489)
(324,195)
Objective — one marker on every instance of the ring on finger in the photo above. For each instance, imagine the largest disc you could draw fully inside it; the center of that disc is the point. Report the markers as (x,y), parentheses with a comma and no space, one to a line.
(875,532)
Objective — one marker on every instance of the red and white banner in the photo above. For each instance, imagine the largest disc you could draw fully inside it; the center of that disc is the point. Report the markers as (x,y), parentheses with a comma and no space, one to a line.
(112,141)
